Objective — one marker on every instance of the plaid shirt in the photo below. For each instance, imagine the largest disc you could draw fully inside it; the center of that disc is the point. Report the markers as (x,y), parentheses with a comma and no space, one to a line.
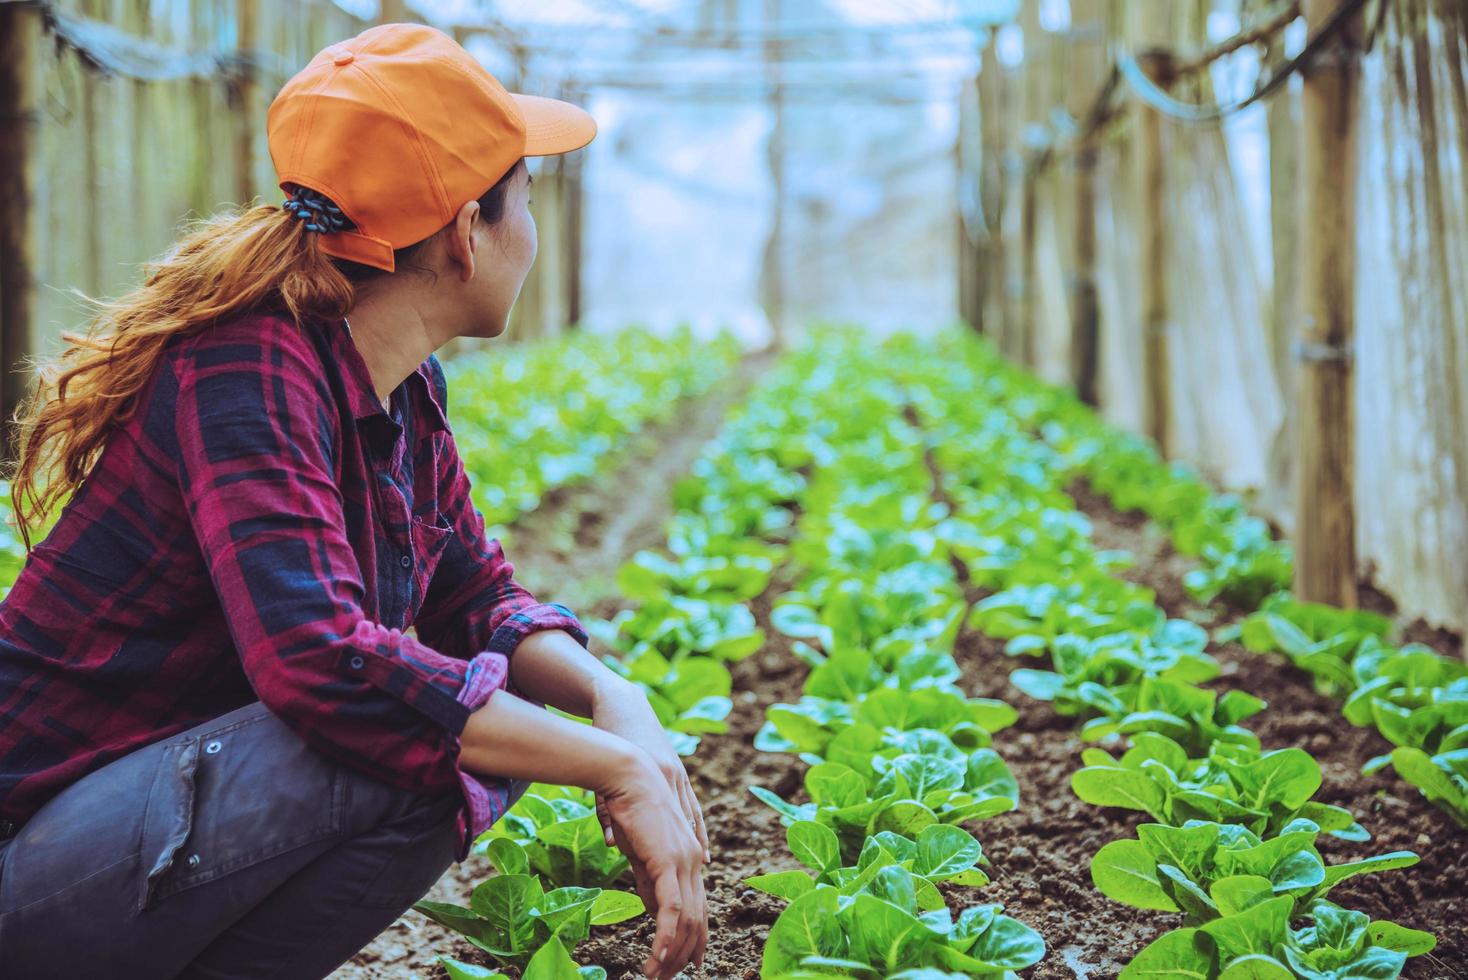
(261,528)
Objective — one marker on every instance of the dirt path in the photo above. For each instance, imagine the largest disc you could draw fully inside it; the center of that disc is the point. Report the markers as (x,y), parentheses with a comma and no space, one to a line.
(568,550)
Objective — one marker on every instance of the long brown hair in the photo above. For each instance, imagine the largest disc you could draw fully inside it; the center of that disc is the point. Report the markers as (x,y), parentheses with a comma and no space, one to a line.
(236,261)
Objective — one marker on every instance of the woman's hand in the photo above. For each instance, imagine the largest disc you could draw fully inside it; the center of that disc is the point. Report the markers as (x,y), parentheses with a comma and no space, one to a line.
(622,710)
(666,859)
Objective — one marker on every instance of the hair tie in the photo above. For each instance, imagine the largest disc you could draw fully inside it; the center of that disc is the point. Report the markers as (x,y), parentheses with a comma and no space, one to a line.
(317,210)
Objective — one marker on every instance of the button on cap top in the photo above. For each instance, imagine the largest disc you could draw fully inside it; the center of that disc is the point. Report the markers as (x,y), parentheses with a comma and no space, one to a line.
(342,58)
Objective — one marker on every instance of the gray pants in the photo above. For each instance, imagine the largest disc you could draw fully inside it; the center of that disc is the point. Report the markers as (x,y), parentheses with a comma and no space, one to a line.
(230,850)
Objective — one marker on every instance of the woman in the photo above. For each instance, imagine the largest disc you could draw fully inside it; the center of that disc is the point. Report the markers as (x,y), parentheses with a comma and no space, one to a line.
(221,755)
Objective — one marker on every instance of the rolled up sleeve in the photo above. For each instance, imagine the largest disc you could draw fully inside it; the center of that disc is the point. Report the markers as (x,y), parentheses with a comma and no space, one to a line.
(257,436)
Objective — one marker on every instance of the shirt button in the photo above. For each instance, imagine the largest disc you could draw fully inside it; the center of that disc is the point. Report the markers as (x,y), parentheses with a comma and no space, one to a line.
(405,561)
(193,861)
(356,663)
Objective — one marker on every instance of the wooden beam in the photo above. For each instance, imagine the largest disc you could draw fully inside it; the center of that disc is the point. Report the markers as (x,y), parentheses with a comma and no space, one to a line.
(1150,31)
(993,146)
(249,121)
(1087,68)
(1325,550)
(20,43)
(1156,322)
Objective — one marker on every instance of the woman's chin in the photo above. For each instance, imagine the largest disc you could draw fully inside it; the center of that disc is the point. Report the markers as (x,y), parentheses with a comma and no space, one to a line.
(489,328)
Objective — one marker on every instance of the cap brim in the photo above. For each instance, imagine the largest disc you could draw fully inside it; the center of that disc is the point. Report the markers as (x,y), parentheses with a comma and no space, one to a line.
(553,126)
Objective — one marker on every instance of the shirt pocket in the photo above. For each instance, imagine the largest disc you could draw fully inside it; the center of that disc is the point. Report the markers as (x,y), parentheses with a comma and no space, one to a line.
(430,538)
(229,798)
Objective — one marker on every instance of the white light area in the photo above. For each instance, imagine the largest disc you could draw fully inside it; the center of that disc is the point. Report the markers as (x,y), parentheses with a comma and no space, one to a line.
(868,12)
(1009,45)
(1222,25)
(1234,77)
(1295,36)
(573,11)
(1055,15)
(677,212)
(447,11)
(364,9)
(494,56)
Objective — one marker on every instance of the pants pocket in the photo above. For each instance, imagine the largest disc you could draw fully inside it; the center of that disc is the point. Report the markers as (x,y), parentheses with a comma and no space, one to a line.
(232,796)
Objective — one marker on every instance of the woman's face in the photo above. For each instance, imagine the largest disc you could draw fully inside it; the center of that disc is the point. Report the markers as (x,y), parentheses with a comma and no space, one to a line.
(503,254)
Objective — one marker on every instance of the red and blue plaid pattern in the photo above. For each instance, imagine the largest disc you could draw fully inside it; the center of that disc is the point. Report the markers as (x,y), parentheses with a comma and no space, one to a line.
(261,528)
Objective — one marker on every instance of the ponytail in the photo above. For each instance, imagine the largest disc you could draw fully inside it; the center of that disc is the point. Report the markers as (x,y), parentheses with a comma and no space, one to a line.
(235,261)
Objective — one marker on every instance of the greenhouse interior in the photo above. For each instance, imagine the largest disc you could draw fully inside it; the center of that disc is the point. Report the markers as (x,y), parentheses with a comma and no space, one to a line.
(893,489)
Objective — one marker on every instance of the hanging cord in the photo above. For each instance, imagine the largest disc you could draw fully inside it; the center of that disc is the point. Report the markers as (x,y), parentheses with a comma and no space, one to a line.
(114,52)
(1154,95)
(1106,106)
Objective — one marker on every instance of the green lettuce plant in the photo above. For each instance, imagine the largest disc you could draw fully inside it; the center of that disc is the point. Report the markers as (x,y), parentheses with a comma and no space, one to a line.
(1253,940)
(1191,868)
(511,916)
(554,832)
(1238,784)
(911,792)
(551,962)
(939,852)
(882,932)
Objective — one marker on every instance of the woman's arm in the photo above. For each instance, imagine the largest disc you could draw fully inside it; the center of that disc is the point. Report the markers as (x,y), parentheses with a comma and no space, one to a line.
(511,737)
(550,666)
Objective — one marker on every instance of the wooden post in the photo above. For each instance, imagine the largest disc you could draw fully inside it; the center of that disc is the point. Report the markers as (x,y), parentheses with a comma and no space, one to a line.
(1088,37)
(573,191)
(1036,98)
(249,123)
(1155,312)
(969,304)
(992,148)
(772,271)
(20,43)
(1325,553)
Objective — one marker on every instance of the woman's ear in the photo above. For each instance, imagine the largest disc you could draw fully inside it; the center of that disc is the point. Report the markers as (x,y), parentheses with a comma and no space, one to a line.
(462,245)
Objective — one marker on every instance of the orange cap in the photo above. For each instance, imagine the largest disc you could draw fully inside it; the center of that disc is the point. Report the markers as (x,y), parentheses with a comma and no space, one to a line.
(400,126)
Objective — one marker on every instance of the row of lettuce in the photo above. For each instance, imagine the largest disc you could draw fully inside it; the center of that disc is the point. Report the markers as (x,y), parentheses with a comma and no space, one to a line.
(531,418)
(900,758)
(1414,696)
(1231,845)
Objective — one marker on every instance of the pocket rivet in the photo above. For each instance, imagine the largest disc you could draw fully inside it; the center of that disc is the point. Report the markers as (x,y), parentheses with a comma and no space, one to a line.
(193,860)
(213,747)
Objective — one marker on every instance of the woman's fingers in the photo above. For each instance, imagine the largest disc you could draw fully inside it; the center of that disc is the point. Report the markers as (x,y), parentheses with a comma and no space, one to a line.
(678,780)
(701,943)
(639,869)
(690,802)
(667,941)
(689,913)
(605,816)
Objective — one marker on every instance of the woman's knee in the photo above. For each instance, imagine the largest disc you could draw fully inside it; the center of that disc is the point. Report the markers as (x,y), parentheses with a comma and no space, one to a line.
(418,847)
